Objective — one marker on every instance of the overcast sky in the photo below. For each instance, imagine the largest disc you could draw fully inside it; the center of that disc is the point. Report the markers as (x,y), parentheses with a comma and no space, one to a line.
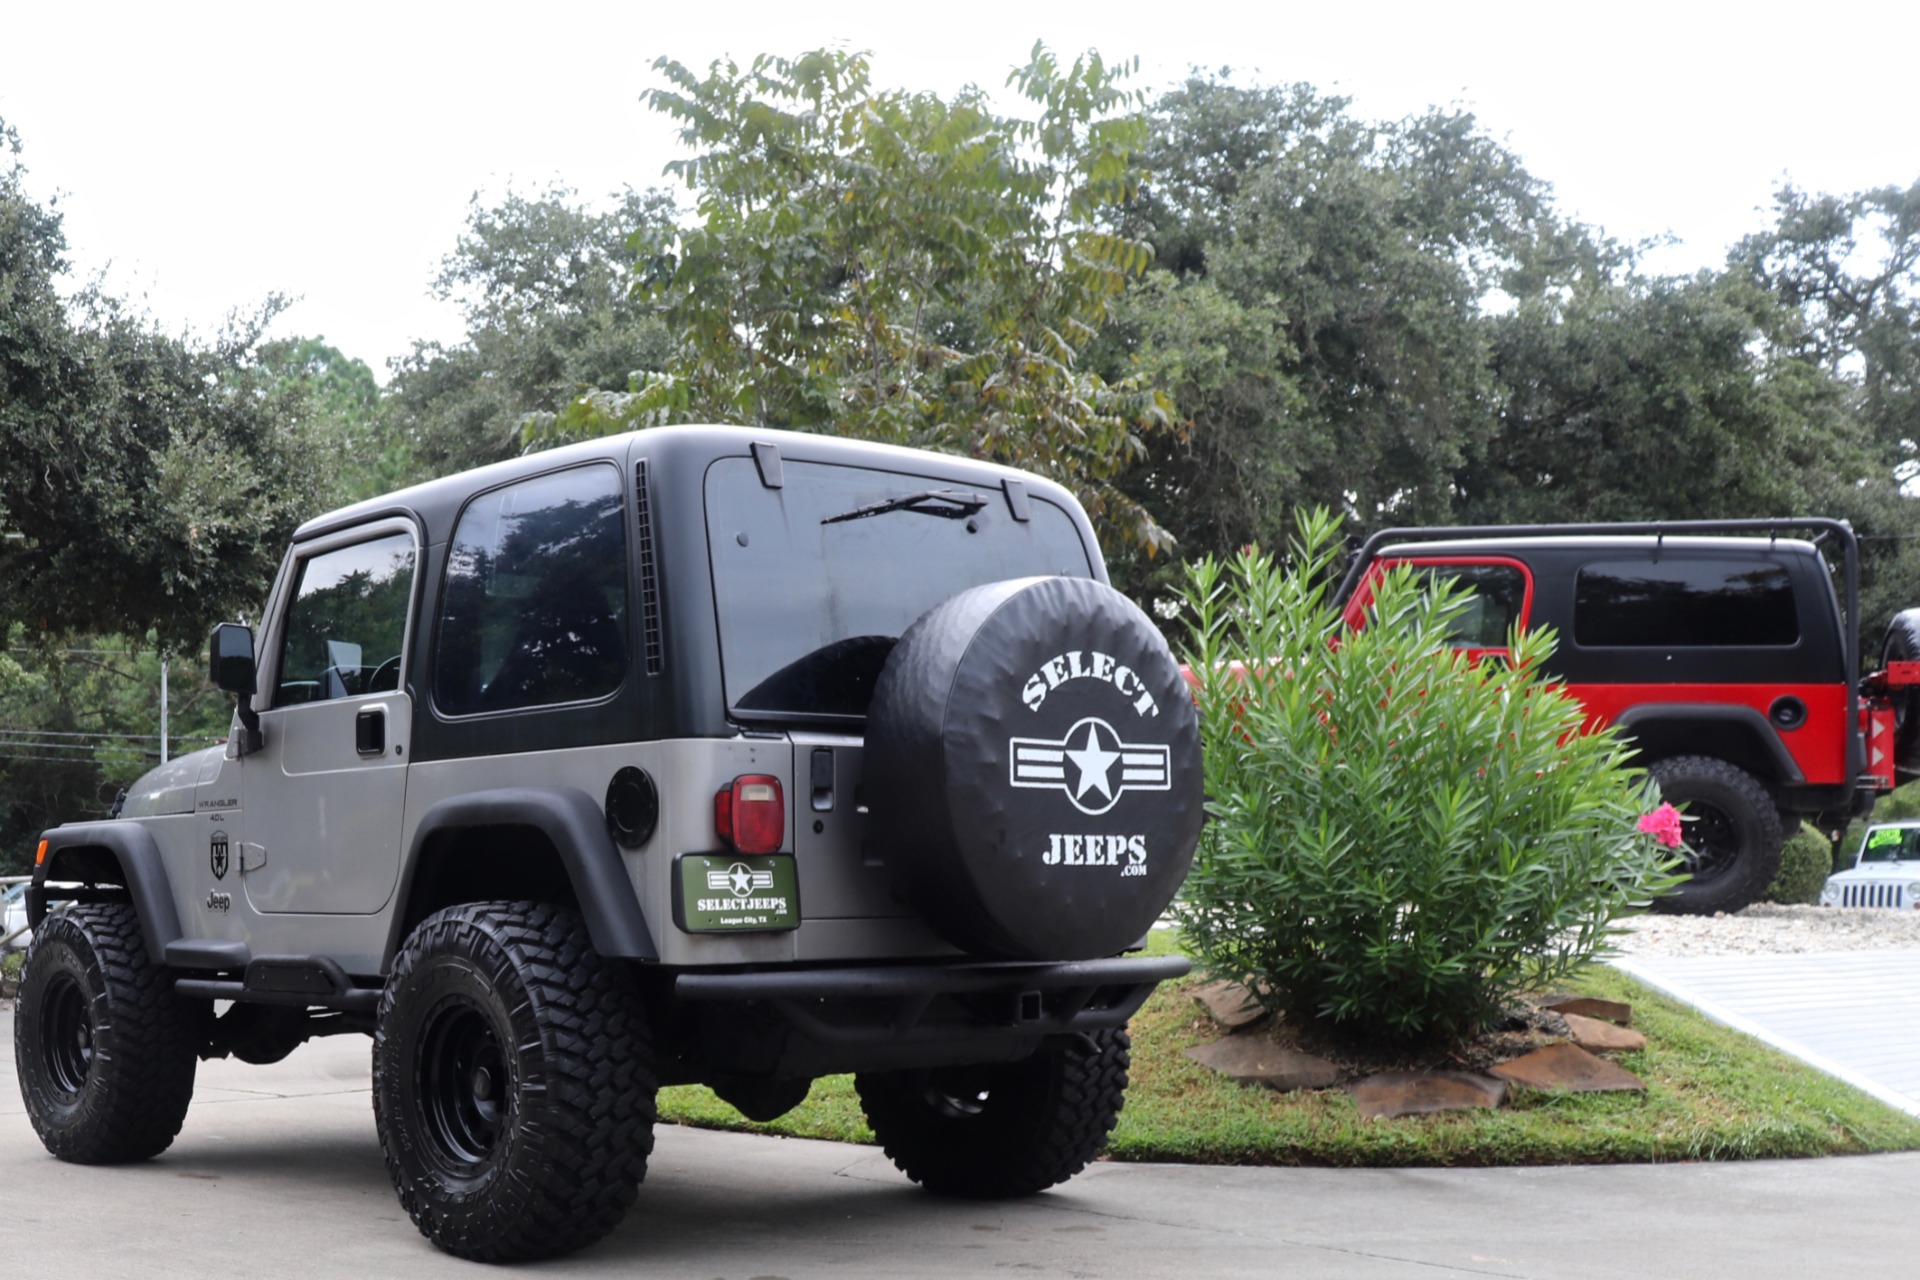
(206,155)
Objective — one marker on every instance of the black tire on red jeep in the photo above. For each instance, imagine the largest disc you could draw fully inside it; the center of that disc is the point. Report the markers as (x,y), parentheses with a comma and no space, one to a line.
(513,1083)
(1004,1129)
(1733,834)
(1902,644)
(105,1050)
(1033,755)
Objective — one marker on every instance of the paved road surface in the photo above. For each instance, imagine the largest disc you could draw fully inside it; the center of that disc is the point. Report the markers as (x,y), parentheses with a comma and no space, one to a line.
(278,1174)
(1852,1014)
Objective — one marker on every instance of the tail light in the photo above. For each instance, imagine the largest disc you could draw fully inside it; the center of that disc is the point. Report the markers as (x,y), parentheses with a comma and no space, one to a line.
(750,814)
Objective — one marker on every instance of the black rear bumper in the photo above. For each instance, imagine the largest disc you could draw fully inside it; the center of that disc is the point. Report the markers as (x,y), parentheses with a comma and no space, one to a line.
(814,1021)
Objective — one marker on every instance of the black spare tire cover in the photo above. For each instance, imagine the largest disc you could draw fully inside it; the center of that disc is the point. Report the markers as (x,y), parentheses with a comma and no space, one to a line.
(1033,770)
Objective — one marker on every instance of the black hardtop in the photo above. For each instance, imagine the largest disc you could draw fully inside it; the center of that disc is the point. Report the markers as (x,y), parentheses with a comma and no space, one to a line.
(683,452)
(684,697)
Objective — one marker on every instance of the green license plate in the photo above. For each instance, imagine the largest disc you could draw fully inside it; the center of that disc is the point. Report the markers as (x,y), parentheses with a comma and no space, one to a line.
(735,893)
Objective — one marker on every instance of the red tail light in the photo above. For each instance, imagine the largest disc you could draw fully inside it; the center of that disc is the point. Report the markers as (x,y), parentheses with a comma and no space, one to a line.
(750,814)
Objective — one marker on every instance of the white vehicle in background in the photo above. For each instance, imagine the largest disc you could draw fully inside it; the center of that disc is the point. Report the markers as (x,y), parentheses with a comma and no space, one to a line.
(1885,871)
(14,934)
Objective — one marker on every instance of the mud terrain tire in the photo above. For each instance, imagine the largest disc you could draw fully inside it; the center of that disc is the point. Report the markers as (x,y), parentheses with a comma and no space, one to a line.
(1735,834)
(513,1083)
(1009,1129)
(104,1049)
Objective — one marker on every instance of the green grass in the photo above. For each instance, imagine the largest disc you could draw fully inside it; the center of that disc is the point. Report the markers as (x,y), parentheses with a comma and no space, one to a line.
(1713,1094)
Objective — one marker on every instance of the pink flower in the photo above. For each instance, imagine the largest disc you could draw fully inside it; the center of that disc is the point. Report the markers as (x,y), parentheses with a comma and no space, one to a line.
(1663,824)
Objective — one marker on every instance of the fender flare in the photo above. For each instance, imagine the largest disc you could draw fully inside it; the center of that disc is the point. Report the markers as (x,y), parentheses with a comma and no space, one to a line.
(574,823)
(145,875)
(1744,717)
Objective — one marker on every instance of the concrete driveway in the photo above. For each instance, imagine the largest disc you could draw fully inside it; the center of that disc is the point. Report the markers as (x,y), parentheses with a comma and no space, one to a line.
(278,1173)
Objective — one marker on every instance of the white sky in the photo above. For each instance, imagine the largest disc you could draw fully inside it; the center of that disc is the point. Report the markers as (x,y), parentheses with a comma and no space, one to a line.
(208,154)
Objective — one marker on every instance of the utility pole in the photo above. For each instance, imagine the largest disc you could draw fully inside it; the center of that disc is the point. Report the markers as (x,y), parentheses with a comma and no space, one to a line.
(163,711)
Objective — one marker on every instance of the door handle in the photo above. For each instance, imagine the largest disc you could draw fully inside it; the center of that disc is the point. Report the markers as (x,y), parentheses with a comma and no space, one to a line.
(370,732)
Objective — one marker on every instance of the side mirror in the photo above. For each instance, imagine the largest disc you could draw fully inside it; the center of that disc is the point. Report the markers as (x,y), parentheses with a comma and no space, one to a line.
(230,659)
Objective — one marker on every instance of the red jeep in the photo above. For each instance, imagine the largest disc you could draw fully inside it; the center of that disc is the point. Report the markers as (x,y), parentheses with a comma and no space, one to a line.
(1720,648)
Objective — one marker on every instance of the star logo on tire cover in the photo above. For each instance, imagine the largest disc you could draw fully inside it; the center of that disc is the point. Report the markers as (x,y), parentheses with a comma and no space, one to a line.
(1091,764)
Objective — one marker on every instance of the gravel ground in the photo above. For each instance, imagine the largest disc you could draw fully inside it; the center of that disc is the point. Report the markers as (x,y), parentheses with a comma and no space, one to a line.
(1768,929)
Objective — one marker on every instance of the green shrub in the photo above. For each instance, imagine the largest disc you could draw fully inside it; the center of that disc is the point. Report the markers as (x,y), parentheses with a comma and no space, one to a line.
(1399,837)
(1805,862)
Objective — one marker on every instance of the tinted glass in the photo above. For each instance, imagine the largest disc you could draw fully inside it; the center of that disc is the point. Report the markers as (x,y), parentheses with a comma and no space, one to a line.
(535,606)
(348,620)
(811,605)
(1680,603)
(1498,593)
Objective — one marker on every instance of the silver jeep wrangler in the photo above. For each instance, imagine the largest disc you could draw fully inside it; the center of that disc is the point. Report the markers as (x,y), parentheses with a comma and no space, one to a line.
(694,755)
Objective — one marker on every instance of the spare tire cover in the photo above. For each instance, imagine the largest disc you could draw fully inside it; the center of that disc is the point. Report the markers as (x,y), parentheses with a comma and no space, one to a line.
(1033,770)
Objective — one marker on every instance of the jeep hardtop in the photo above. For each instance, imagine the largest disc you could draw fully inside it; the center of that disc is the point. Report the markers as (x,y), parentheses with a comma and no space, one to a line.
(1720,649)
(694,755)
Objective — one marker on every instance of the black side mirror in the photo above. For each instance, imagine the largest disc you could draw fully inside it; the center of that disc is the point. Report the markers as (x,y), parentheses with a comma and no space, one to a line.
(230,659)
(230,667)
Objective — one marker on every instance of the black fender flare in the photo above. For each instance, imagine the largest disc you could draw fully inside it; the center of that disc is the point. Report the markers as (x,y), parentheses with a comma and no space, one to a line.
(132,847)
(577,827)
(1764,733)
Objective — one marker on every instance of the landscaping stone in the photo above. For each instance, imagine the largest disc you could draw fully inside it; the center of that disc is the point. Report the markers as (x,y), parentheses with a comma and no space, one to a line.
(1412,1093)
(1601,1037)
(1568,1068)
(1591,1007)
(1229,1004)
(1256,1060)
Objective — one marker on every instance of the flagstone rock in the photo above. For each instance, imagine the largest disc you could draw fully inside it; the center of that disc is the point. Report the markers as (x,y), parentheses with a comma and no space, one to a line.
(1591,1007)
(1567,1068)
(1257,1060)
(1601,1037)
(1412,1093)
(1229,1004)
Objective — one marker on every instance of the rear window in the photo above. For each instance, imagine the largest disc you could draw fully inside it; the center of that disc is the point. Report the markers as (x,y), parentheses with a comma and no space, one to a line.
(1679,603)
(812,596)
(534,611)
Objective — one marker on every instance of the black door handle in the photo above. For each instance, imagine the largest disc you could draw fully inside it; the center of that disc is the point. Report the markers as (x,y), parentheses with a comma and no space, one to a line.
(370,732)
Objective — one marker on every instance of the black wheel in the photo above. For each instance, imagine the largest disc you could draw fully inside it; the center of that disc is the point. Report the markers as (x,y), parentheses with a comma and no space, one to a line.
(1733,836)
(104,1049)
(513,1083)
(1007,1129)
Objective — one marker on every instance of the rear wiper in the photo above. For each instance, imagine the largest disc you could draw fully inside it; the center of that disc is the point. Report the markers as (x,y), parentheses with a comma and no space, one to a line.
(948,504)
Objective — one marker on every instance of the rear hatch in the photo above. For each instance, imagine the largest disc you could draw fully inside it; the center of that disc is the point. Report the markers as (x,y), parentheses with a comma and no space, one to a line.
(814,581)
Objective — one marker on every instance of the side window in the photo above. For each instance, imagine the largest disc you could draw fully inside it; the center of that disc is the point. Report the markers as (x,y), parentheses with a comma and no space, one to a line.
(534,610)
(1681,603)
(1497,597)
(347,622)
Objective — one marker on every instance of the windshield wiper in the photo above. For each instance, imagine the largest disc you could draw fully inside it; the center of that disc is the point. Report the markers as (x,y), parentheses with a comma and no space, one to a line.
(948,504)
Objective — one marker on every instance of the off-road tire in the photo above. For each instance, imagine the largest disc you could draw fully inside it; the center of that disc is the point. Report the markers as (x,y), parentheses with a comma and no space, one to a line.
(545,1155)
(1736,833)
(1009,1129)
(104,1049)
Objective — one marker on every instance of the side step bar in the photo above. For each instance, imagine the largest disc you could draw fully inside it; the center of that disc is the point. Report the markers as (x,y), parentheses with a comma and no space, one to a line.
(289,980)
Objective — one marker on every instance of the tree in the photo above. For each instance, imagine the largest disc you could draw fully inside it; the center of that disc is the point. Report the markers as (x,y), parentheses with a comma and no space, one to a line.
(1317,306)
(149,483)
(898,266)
(544,284)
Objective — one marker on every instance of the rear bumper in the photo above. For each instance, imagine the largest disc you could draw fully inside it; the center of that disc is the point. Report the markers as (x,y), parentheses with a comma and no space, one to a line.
(819,1020)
